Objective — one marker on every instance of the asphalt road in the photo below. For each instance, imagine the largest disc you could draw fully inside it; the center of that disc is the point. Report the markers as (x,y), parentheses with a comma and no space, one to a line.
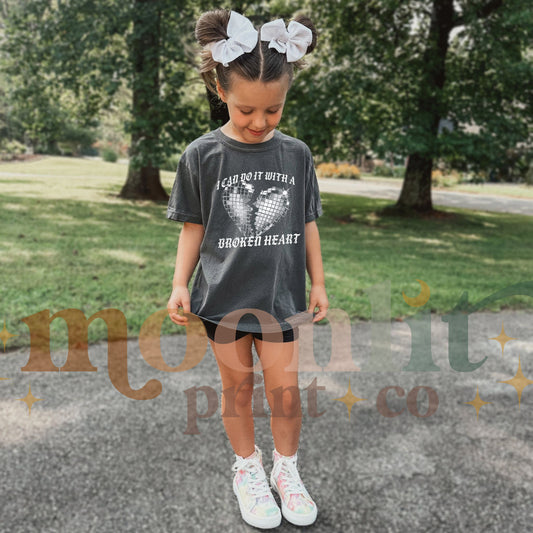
(88,458)
(391,191)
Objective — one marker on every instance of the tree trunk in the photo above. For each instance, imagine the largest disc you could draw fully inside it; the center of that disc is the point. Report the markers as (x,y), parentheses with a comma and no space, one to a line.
(416,189)
(143,180)
(143,183)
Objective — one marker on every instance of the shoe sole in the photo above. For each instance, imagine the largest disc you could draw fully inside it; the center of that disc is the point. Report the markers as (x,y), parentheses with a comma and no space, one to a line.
(295,518)
(262,522)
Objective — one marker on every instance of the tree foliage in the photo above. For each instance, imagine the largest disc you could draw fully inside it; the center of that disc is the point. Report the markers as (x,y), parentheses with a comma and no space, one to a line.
(43,109)
(83,50)
(371,66)
(385,75)
(388,71)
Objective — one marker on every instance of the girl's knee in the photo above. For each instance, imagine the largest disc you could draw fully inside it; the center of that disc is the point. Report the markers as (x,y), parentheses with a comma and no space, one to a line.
(239,394)
(285,401)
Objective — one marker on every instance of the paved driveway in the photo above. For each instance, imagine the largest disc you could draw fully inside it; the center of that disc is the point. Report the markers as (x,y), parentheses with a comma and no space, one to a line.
(391,191)
(89,459)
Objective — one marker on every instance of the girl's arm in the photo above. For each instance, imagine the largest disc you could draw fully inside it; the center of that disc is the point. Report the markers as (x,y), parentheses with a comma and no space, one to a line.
(186,259)
(317,297)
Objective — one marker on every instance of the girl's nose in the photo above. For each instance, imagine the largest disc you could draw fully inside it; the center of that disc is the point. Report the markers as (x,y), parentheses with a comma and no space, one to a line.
(259,123)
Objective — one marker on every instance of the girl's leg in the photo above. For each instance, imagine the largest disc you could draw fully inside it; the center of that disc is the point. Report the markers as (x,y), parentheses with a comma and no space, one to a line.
(237,389)
(283,395)
(282,391)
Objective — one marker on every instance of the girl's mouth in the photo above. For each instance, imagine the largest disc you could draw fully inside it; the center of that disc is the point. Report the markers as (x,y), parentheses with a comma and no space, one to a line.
(256,133)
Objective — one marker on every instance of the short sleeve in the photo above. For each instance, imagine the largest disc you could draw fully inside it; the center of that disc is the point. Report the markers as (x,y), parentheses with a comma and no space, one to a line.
(184,203)
(313,205)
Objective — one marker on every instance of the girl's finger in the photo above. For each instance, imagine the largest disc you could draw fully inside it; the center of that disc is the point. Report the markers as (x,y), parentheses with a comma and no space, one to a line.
(320,315)
(179,320)
(174,315)
(317,317)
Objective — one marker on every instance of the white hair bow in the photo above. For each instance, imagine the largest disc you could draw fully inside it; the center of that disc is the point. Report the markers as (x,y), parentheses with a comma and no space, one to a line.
(242,38)
(292,41)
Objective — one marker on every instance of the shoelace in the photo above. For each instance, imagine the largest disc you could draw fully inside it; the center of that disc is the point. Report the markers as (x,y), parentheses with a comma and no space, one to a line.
(258,484)
(292,482)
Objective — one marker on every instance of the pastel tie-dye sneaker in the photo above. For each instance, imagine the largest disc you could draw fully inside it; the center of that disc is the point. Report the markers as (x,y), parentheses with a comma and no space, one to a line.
(250,485)
(296,504)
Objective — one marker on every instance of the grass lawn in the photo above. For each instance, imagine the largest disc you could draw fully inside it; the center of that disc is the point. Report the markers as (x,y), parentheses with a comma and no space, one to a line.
(66,241)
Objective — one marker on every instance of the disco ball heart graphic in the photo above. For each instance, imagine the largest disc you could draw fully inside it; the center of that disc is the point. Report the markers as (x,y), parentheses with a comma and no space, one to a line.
(237,202)
(254,218)
(272,205)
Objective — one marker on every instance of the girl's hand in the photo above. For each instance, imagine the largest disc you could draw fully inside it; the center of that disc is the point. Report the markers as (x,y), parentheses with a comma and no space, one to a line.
(318,298)
(179,298)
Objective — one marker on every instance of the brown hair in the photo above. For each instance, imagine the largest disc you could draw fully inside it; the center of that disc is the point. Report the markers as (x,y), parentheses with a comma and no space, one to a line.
(262,63)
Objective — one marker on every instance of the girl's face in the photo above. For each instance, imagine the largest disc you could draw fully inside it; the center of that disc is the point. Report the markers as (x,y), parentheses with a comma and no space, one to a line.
(254,108)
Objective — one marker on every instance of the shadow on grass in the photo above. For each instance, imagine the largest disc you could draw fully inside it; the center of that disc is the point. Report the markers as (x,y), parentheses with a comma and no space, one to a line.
(345,210)
(454,250)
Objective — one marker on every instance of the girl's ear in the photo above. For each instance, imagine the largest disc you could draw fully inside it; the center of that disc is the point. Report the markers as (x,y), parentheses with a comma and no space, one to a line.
(221,93)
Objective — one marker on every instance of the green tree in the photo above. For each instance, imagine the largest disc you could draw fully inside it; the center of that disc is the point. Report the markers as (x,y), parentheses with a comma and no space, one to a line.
(144,43)
(390,70)
(31,113)
(88,48)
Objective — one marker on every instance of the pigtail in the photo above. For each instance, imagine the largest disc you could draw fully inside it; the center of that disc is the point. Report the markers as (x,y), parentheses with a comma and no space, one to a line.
(306,21)
(260,63)
(210,28)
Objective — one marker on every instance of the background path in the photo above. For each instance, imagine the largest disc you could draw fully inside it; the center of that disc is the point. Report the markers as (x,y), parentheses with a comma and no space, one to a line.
(89,459)
(391,191)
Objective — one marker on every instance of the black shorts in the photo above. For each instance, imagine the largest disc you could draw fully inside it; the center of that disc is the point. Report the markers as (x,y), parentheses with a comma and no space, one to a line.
(289,335)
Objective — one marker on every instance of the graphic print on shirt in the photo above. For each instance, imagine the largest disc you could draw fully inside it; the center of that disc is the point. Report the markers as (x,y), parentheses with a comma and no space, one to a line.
(255,217)
(254,212)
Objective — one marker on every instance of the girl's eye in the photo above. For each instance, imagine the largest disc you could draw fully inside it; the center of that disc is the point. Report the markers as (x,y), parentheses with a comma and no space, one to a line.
(270,112)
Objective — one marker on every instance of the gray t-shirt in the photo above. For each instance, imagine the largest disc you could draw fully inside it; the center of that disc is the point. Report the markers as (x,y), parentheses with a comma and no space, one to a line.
(253,201)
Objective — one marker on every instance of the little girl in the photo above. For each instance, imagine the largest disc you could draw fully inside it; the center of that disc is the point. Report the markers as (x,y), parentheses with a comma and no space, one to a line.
(248,199)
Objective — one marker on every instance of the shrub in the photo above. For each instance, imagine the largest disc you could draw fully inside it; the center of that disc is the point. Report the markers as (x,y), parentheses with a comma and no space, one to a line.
(399,172)
(74,138)
(88,151)
(350,172)
(343,170)
(11,149)
(109,155)
(439,179)
(326,170)
(384,171)
(474,178)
